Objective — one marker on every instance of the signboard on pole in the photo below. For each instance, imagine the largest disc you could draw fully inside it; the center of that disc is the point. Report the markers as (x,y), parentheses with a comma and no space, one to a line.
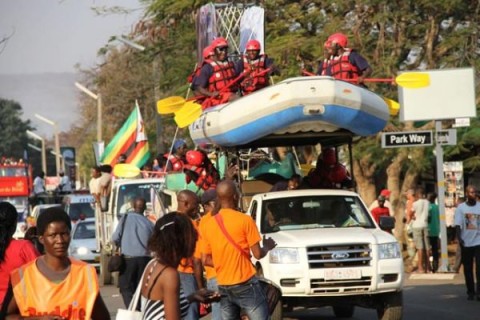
(453,173)
(407,139)
(447,137)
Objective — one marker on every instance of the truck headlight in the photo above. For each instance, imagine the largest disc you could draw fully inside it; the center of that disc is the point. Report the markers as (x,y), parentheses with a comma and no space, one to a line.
(389,250)
(81,251)
(284,255)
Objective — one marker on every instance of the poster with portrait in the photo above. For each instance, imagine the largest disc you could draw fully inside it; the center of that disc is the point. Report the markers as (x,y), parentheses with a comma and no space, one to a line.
(68,156)
(453,175)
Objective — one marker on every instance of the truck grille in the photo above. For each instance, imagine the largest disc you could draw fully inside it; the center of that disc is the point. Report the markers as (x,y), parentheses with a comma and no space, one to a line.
(336,256)
(340,286)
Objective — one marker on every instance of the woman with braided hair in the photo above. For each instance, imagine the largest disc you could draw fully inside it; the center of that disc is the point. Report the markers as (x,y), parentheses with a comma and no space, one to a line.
(13,253)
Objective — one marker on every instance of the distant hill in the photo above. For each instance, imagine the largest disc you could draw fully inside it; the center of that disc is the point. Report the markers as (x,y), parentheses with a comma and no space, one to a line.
(52,95)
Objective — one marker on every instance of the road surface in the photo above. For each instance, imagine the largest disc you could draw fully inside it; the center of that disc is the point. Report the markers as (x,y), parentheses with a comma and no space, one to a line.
(429,296)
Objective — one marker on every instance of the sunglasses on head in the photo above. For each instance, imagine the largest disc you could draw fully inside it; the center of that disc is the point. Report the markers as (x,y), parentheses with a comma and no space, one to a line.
(222,49)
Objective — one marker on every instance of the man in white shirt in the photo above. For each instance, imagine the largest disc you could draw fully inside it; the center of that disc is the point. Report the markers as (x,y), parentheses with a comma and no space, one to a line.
(65,186)
(39,184)
(94,184)
(420,229)
(467,221)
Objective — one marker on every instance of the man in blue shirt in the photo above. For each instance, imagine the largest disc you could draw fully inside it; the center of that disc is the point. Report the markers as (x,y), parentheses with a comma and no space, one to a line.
(131,235)
(467,219)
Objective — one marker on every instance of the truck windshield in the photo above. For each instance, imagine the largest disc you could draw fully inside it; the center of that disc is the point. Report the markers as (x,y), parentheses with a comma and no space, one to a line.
(314,212)
(127,193)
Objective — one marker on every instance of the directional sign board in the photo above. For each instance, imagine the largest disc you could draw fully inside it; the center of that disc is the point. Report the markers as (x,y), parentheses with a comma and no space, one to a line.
(407,139)
(447,137)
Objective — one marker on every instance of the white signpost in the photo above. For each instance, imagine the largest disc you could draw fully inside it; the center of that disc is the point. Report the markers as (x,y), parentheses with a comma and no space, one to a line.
(450,95)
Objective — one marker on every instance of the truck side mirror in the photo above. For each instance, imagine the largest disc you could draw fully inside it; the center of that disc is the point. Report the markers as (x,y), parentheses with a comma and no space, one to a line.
(387,223)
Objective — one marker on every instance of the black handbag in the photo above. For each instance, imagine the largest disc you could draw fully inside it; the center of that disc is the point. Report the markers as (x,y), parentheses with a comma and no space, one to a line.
(117,260)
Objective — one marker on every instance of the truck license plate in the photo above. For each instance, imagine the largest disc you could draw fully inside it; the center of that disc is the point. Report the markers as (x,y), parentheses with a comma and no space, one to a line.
(342,274)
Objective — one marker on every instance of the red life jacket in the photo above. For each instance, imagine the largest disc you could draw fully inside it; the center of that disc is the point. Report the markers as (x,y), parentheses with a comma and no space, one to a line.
(341,68)
(197,71)
(205,176)
(325,65)
(223,73)
(177,163)
(253,81)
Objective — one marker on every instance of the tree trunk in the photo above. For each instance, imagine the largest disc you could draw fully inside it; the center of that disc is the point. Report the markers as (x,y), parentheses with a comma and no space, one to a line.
(364,172)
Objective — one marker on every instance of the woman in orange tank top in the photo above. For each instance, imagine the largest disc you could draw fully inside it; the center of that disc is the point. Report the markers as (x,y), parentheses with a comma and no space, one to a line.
(55,286)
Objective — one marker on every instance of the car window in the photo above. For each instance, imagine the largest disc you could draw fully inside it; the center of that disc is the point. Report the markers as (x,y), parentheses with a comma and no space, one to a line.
(84,230)
(76,210)
(129,192)
(314,212)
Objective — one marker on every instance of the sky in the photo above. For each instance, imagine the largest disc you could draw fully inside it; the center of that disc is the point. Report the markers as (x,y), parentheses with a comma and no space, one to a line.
(52,36)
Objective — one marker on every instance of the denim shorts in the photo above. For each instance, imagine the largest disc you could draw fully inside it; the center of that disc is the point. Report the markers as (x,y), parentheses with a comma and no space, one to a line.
(247,296)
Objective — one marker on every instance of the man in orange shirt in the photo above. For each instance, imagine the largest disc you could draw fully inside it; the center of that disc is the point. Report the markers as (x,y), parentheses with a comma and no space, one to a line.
(191,270)
(228,237)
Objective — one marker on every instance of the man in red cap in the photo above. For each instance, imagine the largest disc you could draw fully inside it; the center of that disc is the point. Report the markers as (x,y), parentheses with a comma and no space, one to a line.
(386,194)
(218,78)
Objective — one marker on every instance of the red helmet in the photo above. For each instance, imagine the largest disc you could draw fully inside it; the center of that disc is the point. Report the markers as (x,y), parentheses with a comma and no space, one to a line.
(219,42)
(339,38)
(194,158)
(329,156)
(327,44)
(253,45)
(208,52)
(338,173)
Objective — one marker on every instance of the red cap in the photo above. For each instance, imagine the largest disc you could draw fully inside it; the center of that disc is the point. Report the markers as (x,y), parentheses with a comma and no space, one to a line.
(385,193)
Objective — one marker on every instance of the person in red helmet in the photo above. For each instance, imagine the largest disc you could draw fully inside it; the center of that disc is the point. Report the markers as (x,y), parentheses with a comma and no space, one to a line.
(217,78)
(346,63)
(324,65)
(200,170)
(208,54)
(328,172)
(255,66)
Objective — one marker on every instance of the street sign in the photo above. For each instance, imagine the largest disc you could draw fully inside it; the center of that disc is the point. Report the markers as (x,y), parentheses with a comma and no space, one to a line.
(407,139)
(447,137)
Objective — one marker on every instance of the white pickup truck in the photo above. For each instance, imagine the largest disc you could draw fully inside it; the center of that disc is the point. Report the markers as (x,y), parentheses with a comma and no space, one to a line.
(330,252)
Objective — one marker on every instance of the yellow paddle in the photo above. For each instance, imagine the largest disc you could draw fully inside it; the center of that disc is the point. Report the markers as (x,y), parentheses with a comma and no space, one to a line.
(393,106)
(170,105)
(187,114)
(413,80)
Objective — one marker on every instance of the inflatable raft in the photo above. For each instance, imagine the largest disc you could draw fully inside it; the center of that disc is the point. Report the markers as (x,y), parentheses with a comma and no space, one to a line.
(303,104)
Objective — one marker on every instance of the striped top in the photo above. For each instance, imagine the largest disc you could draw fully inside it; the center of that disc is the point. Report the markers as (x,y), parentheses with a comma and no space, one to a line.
(154,309)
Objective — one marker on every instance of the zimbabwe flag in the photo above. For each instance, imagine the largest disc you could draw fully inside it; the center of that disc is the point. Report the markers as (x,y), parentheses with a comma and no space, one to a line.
(130,140)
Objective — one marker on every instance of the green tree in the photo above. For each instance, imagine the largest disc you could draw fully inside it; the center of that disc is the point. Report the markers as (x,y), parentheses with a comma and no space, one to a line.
(14,129)
(394,36)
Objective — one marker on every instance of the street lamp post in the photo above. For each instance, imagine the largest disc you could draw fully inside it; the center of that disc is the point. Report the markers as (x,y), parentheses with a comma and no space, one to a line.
(156,90)
(97,97)
(57,141)
(44,154)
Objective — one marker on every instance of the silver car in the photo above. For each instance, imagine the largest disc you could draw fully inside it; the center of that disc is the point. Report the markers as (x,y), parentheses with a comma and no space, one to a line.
(83,245)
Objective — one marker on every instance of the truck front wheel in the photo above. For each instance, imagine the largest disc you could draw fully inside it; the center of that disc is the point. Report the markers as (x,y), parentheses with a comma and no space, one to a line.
(343,311)
(391,306)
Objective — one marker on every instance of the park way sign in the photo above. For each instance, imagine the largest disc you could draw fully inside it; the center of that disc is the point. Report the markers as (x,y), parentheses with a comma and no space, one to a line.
(407,139)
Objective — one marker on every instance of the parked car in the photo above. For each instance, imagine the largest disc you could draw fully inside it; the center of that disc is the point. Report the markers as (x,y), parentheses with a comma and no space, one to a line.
(83,245)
